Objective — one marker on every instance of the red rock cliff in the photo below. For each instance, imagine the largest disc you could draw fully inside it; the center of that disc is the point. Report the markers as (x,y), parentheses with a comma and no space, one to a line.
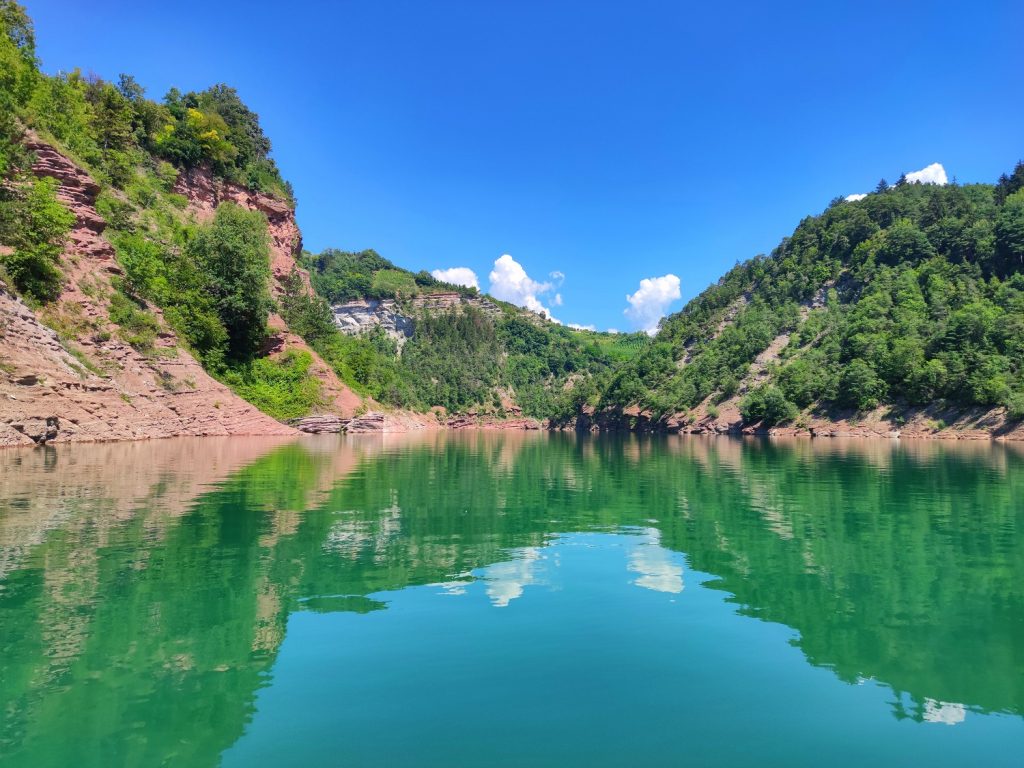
(205,193)
(107,390)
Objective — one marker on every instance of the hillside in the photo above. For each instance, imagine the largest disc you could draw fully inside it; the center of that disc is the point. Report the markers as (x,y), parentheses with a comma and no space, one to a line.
(415,343)
(142,248)
(902,312)
(153,283)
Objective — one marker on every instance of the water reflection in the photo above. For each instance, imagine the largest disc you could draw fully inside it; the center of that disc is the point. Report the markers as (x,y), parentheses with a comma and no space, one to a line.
(152,583)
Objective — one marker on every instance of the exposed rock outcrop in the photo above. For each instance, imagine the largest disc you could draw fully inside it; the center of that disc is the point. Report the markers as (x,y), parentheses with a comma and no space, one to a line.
(204,193)
(355,317)
(397,319)
(107,390)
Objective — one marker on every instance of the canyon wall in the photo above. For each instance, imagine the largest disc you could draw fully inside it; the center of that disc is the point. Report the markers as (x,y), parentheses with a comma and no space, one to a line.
(85,383)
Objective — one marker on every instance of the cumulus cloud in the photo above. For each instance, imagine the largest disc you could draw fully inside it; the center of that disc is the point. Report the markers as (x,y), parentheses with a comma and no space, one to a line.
(932,174)
(509,282)
(578,327)
(855,198)
(648,305)
(457,276)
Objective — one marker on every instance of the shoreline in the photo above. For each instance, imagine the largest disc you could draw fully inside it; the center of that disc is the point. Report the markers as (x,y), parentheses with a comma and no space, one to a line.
(521,425)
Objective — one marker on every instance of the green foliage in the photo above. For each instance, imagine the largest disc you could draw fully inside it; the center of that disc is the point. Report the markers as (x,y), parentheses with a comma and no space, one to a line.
(212,287)
(467,370)
(860,386)
(137,326)
(18,75)
(923,300)
(768,405)
(307,315)
(281,387)
(233,253)
(393,282)
(35,225)
(341,276)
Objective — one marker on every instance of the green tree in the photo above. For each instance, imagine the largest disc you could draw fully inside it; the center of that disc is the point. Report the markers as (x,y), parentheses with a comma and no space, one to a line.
(234,253)
(35,225)
(1010,234)
(768,405)
(859,386)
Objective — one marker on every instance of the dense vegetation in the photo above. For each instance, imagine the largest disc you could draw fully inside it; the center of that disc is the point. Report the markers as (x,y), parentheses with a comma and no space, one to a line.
(211,280)
(463,359)
(341,276)
(912,295)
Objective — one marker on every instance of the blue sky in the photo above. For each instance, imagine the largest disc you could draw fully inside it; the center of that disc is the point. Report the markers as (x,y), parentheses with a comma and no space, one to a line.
(606,143)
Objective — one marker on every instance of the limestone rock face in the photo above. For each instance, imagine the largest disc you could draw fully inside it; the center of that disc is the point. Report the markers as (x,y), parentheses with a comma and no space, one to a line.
(398,320)
(355,317)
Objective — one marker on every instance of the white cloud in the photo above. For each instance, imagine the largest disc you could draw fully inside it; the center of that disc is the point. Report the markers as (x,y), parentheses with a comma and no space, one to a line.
(509,282)
(558,277)
(578,327)
(932,174)
(557,301)
(457,276)
(855,198)
(613,330)
(647,306)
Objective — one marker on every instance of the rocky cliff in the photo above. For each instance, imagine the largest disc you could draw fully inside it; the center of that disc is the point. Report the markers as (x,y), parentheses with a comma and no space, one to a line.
(204,193)
(85,383)
(397,319)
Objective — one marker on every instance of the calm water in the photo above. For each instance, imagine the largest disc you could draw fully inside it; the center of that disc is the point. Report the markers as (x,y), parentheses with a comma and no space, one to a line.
(512,600)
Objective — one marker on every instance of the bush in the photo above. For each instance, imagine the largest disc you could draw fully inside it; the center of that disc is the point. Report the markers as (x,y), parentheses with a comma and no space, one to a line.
(280,387)
(233,253)
(768,405)
(1015,406)
(138,327)
(35,224)
(860,387)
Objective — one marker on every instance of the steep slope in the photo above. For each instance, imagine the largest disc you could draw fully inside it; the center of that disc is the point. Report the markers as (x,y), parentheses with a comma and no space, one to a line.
(902,313)
(205,193)
(92,384)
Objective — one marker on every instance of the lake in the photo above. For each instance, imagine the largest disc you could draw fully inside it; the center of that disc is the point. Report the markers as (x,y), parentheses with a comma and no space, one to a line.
(506,599)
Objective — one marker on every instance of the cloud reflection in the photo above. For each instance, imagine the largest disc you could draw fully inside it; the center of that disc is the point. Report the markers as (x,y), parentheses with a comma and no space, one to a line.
(655,565)
(505,581)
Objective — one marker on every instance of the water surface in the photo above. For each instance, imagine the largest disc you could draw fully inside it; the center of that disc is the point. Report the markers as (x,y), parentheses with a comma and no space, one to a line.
(512,600)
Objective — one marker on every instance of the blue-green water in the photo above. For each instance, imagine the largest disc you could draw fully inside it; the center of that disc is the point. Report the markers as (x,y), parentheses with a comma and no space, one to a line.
(512,600)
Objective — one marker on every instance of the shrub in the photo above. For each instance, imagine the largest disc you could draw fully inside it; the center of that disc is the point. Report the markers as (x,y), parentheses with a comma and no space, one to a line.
(36,225)
(281,387)
(860,387)
(233,253)
(138,327)
(768,405)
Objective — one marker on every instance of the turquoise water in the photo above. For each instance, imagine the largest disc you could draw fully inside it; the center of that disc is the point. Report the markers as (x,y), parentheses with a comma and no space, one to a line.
(511,600)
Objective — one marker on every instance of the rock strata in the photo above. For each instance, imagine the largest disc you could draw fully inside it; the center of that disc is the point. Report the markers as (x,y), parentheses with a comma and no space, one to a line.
(92,385)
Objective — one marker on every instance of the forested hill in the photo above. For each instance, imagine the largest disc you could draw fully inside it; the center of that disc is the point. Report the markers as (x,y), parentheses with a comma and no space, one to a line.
(153,283)
(467,353)
(906,304)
